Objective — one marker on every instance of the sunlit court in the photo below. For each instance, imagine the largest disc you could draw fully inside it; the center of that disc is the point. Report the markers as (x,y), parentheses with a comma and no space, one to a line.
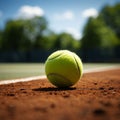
(22,70)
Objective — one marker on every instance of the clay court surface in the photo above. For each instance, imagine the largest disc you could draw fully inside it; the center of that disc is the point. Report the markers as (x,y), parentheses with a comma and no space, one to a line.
(95,97)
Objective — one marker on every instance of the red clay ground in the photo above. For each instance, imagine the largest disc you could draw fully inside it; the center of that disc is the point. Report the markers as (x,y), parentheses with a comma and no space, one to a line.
(95,97)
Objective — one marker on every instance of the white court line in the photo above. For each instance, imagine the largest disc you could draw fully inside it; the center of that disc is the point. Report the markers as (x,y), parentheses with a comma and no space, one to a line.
(22,79)
(100,69)
(44,77)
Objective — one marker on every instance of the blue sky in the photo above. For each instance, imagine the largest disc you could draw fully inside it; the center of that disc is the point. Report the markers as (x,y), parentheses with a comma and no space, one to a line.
(62,15)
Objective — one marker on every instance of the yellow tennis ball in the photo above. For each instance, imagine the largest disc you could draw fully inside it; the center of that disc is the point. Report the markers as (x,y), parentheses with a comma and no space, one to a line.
(63,68)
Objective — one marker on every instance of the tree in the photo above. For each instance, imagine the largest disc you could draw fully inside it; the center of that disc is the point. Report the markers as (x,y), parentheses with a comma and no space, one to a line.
(49,40)
(35,27)
(111,16)
(98,35)
(98,42)
(20,35)
(35,30)
(1,34)
(13,36)
(65,41)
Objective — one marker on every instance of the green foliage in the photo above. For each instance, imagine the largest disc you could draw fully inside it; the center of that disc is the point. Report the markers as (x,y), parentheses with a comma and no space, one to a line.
(90,36)
(98,33)
(46,41)
(49,41)
(19,35)
(111,16)
(66,41)
(1,39)
(101,36)
(28,34)
(13,35)
(34,28)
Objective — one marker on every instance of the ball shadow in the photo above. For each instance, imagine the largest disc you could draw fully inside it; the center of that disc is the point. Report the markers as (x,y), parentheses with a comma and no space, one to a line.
(53,89)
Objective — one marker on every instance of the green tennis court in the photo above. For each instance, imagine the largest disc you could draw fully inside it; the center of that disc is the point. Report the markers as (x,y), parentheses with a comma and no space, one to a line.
(20,70)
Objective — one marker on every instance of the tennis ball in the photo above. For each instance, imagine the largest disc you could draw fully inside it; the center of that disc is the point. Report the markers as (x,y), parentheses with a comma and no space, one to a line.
(63,68)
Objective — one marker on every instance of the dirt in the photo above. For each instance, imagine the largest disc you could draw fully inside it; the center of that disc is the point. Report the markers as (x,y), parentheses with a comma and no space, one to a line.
(95,97)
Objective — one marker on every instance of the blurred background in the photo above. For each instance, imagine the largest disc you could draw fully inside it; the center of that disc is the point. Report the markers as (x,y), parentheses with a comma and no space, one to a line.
(30,30)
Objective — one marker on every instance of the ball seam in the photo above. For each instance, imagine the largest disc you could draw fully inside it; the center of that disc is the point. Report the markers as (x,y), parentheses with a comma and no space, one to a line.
(55,56)
(77,65)
(59,76)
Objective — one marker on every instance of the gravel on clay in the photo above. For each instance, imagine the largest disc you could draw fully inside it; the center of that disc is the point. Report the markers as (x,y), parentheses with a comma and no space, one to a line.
(95,97)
